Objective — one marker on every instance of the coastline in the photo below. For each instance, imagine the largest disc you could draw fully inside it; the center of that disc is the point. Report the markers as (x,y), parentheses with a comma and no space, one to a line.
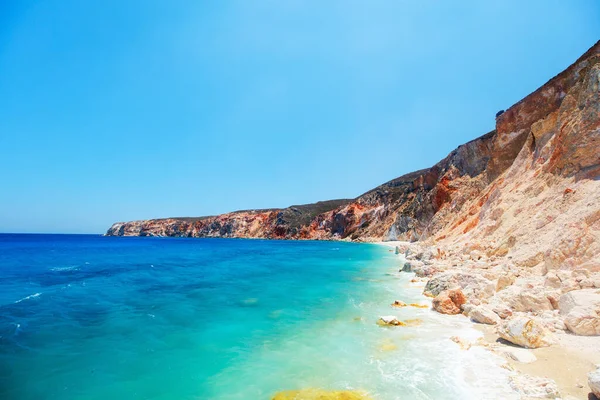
(566,362)
(452,343)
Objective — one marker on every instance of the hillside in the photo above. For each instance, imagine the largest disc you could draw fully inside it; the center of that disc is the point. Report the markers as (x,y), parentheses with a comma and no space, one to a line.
(533,181)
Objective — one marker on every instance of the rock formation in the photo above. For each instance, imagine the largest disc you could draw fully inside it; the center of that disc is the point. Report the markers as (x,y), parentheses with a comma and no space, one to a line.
(526,191)
(449,302)
(525,332)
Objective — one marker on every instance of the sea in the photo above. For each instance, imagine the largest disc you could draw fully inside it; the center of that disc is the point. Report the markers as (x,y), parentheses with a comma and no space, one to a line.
(88,317)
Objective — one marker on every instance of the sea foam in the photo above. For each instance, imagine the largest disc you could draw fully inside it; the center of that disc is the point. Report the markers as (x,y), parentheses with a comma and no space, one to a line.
(31,296)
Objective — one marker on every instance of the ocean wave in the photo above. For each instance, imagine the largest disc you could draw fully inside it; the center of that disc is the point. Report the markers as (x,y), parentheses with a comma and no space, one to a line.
(31,296)
(59,269)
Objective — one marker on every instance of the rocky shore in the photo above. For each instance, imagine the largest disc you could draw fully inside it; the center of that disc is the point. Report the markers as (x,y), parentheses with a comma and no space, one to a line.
(545,325)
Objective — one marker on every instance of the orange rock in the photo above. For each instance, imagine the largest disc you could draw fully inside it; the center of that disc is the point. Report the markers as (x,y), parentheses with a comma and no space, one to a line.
(449,302)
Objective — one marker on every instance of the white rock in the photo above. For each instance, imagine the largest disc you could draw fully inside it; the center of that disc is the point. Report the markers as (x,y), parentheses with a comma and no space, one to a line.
(501,309)
(484,315)
(581,311)
(594,382)
(534,387)
(526,299)
(473,285)
(526,332)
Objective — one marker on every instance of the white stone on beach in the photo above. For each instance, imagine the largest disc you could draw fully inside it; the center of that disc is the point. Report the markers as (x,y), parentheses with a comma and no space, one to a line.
(581,311)
(473,285)
(525,332)
(484,315)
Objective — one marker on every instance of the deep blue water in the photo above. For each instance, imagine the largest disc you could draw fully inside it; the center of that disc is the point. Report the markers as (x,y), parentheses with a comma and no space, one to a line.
(86,317)
(91,317)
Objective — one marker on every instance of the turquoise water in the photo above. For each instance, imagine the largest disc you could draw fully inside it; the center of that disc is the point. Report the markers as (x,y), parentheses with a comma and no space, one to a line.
(90,317)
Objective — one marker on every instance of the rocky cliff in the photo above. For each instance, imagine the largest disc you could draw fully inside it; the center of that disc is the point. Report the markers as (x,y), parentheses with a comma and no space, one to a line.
(274,223)
(529,188)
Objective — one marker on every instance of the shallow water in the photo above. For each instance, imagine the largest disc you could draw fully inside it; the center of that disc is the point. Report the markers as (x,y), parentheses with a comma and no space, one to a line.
(90,317)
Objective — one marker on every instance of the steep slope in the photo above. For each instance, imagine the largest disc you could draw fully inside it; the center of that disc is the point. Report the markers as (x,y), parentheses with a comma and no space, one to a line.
(533,181)
(544,210)
(556,127)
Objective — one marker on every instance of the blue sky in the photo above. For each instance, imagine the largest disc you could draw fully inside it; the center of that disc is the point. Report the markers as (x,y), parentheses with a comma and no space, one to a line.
(121,110)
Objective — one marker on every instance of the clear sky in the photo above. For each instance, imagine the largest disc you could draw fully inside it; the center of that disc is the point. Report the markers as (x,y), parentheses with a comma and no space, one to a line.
(117,110)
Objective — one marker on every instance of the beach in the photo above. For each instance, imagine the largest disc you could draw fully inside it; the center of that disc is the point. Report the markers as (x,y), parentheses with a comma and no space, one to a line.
(567,362)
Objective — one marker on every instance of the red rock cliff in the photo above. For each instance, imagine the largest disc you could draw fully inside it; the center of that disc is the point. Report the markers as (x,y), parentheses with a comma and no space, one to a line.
(529,188)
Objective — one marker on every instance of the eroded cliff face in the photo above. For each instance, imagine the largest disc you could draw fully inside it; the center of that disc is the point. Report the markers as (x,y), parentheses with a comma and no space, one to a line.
(529,190)
(269,224)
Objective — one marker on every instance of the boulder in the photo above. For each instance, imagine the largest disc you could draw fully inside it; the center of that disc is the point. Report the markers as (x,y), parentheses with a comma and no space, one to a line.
(484,315)
(467,308)
(525,332)
(399,304)
(534,387)
(527,299)
(501,309)
(552,321)
(581,311)
(421,270)
(472,285)
(504,281)
(594,382)
(407,267)
(319,394)
(449,302)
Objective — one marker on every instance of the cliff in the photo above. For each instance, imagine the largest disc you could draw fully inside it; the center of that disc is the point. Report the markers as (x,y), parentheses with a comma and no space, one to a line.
(270,223)
(532,183)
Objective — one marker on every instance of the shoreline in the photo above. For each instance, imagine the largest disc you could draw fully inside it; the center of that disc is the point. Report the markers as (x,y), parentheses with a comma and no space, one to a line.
(566,362)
